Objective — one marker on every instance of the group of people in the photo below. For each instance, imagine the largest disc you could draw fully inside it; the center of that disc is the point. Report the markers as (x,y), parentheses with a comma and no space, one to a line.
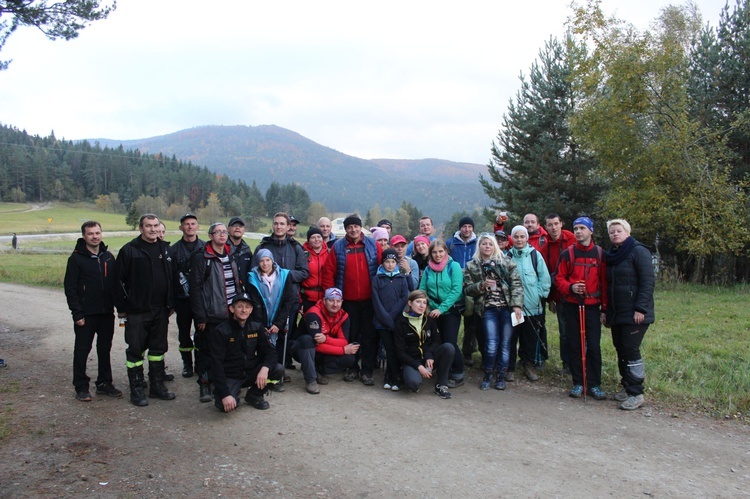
(333,304)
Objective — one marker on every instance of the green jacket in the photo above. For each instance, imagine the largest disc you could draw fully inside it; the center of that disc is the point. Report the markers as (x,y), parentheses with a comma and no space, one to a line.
(509,282)
(444,289)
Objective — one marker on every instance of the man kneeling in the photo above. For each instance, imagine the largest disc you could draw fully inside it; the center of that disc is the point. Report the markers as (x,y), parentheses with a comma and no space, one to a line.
(242,356)
(325,347)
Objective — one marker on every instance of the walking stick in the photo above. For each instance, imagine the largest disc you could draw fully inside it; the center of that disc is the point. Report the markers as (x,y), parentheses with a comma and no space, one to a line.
(582,322)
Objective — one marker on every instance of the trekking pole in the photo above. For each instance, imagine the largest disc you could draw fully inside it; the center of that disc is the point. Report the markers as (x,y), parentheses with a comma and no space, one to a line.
(582,321)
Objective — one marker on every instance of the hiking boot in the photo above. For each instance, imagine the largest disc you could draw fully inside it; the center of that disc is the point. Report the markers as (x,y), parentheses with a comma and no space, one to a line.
(322,379)
(205,392)
(287,378)
(597,393)
(486,381)
(165,376)
(312,388)
(351,375)
(576,392)
(500,382)
(510,376)
(530,372)
(109,390)
(469,361)
(455,382)
(256,401)
(632,403)
(367,380)
(442,391)
(158,390)
(621,396)
(83,396)
(187,364)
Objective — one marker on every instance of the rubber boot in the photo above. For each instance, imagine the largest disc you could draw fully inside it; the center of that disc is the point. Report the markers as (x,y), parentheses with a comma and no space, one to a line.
(205,386)
(157,388)
(187,364)
(137,395)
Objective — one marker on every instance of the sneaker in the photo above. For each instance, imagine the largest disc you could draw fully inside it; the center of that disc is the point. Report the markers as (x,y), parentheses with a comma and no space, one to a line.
(395,388)
(510,376)
(576,392)
(84,396)
(500,383)
(621,396)
(322,379)
(312,388)
(367,380)
(351,376)
(442,391)
(597,393)
(632,403)
(530,372)
(386,386)
(109,390)
(486,381)
(455,382)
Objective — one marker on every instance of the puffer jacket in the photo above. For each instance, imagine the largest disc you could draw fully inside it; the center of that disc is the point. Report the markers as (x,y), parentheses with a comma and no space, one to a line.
(536,282)
(631,287)
(504,271)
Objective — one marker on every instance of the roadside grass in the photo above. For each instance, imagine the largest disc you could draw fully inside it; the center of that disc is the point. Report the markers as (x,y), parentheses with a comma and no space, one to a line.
(66,217)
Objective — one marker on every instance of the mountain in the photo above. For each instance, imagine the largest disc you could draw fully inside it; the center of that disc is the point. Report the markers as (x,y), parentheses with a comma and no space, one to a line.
(343,183)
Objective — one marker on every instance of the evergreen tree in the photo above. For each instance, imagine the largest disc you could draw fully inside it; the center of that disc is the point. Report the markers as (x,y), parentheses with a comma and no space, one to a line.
(536,165)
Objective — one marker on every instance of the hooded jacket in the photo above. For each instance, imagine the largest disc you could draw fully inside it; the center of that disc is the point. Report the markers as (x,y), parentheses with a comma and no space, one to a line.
(288,254)
(587,265)
(445,288)
(630,286)
(539,239)
(551,253)
(536,282)
(272,312)
(88,281)
(462,251)
(389,295)
(509,281)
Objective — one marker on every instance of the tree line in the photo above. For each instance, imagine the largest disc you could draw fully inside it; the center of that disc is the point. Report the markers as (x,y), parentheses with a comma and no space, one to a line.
(652,126)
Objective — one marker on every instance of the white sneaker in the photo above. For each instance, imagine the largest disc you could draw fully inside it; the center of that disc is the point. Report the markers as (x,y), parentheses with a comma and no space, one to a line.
(632,403)
(395,388)
(387,386)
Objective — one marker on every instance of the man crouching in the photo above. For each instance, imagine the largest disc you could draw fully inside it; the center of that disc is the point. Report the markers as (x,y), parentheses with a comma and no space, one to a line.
(241,356)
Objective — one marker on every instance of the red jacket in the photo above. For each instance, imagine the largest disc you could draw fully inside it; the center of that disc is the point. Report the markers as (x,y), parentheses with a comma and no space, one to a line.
(312,288)
(551,256)
(357,278)
(335,327)
(538,240)
(588,265)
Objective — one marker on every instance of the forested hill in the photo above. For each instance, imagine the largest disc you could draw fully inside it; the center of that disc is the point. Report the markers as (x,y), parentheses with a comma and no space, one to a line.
(343,183)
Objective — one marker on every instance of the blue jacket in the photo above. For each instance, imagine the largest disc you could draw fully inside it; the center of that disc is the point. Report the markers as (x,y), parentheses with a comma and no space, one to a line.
(536,282)
(389,295)
(462,252)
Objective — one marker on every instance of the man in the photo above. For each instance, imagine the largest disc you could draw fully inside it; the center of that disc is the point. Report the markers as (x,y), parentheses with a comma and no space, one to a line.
(213,283)
(580,278)
(242,357)
(288,254)
(162,231)
(88,288)
(558,241)
(325,226)
(406,265)
(292,230)
(351,267)
(239,249)
(387,225)
(14,241)
(325,347)
(182,253)
(461,247)
(426,228)
(537,235)
(502,240)
(144,297)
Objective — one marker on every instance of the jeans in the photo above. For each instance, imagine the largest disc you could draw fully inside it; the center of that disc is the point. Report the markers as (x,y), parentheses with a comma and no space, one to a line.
(498,332)
(313,363)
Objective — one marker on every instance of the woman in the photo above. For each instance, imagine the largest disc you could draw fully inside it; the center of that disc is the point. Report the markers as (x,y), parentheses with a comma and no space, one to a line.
(630,307)
(419,347)
(493,280)
(442,280)
(421,253)
(311,289)
(270,286)
(381,237)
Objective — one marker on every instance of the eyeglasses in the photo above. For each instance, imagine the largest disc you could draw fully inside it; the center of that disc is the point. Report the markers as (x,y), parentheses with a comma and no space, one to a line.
(220,233)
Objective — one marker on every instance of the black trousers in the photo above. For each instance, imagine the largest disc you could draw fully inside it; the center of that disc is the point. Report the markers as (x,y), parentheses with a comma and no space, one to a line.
(443,359)
(362,331)
(103,327)
(185,321)
(593,344)
(627,340)
(146,331)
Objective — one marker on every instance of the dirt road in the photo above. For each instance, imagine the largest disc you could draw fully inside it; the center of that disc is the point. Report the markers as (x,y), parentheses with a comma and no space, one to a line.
(349,441)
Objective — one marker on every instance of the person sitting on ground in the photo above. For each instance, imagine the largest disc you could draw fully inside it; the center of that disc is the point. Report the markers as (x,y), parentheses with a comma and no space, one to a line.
(325,348)
(390,290)
(271,287)
(241,356)
(419,346)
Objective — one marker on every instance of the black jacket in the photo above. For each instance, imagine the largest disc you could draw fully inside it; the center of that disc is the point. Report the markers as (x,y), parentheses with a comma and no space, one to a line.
(88,281)
(181,264)
(411,350)
(288,254)
(631,287)
(236,351)
(208,294)
(243,257)
(134,281)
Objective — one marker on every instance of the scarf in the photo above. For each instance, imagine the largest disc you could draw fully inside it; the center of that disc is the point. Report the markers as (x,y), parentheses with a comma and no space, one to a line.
(438,267)
(617,254)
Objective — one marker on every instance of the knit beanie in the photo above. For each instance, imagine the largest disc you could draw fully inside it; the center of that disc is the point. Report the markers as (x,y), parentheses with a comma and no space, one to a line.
(519,228)
(389,254)
(352,220)
(584,221)
(466,220)
(312,231)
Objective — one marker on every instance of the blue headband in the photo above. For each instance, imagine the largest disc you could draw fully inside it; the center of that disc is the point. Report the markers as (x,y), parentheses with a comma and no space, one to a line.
(584,221)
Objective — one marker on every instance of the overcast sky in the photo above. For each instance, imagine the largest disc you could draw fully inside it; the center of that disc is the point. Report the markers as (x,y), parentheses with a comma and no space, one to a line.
(410,79)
